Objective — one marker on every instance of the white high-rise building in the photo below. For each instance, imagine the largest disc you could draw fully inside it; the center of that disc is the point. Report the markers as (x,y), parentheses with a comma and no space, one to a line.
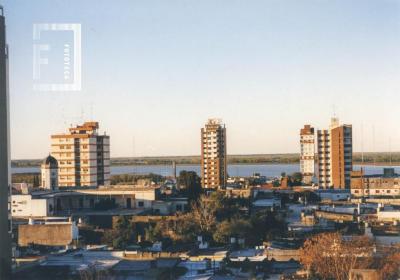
(307,153)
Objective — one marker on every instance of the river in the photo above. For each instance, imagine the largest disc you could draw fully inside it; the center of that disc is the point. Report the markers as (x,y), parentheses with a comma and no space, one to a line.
(241,170)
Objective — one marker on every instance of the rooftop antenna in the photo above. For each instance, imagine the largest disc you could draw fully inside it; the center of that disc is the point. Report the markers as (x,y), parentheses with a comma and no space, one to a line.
(362,143)
(174,169)
(373,143)
(133,152)
(334,110)
(390,150)
(82,115)
(91,111)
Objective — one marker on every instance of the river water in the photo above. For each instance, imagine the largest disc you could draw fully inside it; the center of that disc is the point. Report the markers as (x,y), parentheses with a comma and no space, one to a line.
(269,170)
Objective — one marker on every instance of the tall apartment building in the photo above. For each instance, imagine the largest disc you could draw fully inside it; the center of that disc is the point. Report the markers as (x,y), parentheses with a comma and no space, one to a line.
(307,153)
(5,177)
(83,156)
(335,156)
(213,154)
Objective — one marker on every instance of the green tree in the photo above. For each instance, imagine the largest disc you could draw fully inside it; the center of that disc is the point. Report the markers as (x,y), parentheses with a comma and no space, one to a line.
(121,235)
(296,179)
(192,184)
(239,228)
(276,183)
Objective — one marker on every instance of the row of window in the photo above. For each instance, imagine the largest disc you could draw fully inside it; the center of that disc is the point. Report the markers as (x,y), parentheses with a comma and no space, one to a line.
(377,191)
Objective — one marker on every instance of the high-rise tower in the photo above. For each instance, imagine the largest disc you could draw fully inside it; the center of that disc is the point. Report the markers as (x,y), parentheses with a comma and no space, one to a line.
(335,155)
(307,153)
(83,156)
(213,154)
(5,178)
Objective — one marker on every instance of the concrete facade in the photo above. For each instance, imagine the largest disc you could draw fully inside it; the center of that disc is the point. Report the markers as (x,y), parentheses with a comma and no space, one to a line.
(51,203)
(83,156)
(213,155)
(307,153)
(24,206)
(5,180)
(374,185)
(47,234)
(335,156)
(80,201)
(49,172)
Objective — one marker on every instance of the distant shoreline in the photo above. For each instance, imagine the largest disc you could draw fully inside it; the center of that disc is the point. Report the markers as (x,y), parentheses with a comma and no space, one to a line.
(377,163)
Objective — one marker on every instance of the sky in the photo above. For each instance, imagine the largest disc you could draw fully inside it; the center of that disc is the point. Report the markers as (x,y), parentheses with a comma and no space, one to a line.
(153,72)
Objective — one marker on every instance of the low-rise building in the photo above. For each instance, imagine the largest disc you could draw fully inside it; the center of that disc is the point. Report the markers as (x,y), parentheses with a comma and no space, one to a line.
(388,215)
(253,255)
(47,233)
(65,202)
(333,194)
(282,254)
(213,254)
(24,205)
(267,203)
(386,184)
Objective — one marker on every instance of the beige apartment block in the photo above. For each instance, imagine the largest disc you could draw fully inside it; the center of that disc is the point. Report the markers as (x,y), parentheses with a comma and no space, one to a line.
(83,156)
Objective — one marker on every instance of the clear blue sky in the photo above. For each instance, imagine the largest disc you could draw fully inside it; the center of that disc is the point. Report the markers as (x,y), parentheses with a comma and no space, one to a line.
(154,71)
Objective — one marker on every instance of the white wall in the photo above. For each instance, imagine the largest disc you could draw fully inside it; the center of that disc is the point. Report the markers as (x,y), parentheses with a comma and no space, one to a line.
(389,215)
(25,206)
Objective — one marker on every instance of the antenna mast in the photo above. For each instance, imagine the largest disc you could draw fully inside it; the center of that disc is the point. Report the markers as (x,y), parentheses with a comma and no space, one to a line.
(362,143)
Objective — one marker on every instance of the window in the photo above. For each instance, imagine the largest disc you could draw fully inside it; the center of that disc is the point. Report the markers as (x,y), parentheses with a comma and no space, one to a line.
(140,204)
